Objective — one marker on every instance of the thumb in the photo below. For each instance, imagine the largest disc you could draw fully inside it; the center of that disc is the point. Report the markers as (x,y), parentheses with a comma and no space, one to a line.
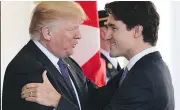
(44,77)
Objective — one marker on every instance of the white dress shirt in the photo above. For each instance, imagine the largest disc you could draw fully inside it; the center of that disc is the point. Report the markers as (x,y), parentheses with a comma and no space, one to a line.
(138,56)
(55,60)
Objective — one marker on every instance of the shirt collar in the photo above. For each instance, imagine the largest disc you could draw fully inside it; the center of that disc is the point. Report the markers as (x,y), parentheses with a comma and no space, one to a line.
(51,57)
(138,56)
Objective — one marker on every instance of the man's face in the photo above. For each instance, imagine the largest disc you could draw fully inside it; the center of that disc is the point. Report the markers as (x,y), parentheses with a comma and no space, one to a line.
(121,39)
(64,38)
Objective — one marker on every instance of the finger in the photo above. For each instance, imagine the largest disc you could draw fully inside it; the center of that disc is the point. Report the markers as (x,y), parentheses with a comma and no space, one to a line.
(45,78)
(31,99)
(24,91)
(25,95)
(31,85)
(29,94)
(37,100)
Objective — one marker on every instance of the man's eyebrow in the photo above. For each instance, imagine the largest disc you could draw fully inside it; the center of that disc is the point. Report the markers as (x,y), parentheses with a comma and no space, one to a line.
(74,27)
(111,25)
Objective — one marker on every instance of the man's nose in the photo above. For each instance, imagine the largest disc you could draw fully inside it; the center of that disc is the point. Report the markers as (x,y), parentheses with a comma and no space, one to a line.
(78,34)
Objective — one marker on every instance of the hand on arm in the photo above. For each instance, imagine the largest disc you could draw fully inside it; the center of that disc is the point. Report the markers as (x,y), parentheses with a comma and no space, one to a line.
(41,93)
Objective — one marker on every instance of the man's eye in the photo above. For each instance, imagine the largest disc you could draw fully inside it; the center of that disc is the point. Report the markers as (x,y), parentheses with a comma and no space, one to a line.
(114,28)
(70,29)
(73,29)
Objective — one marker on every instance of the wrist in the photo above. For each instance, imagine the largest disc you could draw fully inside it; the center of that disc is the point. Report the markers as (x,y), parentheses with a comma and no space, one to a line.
(57,99)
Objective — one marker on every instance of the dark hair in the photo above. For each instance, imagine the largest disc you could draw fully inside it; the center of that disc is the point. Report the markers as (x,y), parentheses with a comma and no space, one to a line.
(134,13)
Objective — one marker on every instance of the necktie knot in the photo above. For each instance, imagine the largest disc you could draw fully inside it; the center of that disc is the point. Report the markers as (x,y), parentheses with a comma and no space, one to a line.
(63,68)
(61,63)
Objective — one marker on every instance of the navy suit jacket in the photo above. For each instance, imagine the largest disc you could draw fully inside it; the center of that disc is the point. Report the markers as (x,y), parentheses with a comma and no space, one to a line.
(27,67)
(147,86)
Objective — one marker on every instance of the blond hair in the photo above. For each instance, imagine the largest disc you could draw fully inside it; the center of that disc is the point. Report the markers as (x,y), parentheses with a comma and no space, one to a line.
(49,11)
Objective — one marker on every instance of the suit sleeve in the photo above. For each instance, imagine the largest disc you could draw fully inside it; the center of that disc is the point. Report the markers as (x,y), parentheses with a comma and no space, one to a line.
(136,95)
(102,95)
(15,78)
(143,101)
(65,104)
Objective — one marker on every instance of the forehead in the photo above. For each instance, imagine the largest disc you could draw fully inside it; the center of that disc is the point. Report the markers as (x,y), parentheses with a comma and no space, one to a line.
(111,19)
(67,23)
(71,21)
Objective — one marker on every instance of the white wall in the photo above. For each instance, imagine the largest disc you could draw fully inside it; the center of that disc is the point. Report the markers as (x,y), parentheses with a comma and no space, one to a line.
(15,18)
(176,51)
(164,44)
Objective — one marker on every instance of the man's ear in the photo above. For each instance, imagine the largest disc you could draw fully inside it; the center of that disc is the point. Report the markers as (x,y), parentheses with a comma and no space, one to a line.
(46,33)
(138,31)
(102,33)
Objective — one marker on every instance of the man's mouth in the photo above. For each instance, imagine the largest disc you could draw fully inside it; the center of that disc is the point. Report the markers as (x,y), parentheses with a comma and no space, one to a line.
(74,45)
(112,43)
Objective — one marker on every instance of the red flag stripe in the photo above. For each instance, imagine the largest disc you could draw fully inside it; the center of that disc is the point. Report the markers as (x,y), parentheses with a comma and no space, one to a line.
(91,11)
(95,69)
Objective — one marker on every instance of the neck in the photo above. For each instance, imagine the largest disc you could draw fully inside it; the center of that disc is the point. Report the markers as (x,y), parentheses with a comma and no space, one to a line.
(136,50)
(44,43)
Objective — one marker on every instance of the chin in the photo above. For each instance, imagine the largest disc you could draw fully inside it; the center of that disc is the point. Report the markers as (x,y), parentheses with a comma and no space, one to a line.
(70,53)
(112,55)
(65,55)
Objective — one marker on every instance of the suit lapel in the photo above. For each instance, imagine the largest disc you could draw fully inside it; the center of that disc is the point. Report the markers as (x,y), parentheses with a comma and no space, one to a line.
(60,80)
(56,78)
(74,78)
(142,63)
(79,83)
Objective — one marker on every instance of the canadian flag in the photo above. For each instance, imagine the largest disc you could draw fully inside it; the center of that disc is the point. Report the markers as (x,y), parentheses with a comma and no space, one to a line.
(87,52)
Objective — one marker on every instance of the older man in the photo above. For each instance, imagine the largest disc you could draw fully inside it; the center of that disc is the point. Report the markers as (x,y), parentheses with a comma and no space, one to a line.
(54,32)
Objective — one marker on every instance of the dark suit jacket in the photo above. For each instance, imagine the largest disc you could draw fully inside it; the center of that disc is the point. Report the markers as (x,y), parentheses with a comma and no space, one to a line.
(27,67)
(147,86)
(110,70)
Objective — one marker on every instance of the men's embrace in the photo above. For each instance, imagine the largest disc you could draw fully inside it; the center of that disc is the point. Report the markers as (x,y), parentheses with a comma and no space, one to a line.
(37,92)
(144,84)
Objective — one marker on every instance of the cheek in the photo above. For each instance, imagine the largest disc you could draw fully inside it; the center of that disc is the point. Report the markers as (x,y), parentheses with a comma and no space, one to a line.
(118,38)
(58,41)
(70,38)
(67,42)
(67,36)
(121,41)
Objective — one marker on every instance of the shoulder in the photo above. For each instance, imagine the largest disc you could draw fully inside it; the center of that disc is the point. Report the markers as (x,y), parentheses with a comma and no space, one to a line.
(23,61)
(72,62)
(157,70)
(74,65)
